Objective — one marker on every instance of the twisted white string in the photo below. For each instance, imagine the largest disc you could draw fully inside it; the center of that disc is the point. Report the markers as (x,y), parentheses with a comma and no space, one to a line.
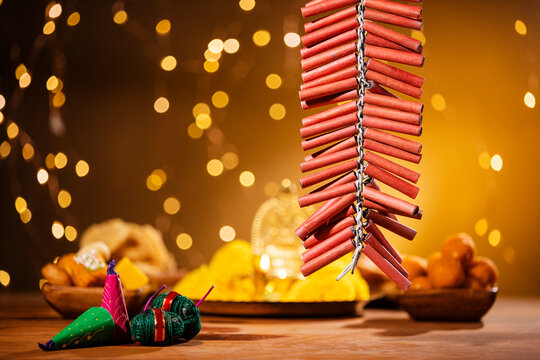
(362,85)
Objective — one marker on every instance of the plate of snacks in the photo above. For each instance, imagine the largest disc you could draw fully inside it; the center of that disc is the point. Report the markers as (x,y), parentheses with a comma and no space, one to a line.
(242,290)
(74,282)
(451,285)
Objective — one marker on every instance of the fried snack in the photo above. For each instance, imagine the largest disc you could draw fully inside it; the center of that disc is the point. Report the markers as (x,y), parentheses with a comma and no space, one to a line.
(415,266)
(55,275)
(88,269)
(142,244)
(484,271)
(420,283)
(461,247)
(445,272)
(100,247)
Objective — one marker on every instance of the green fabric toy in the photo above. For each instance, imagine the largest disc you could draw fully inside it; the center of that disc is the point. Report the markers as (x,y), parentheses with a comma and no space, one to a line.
(157,327)
(184,307)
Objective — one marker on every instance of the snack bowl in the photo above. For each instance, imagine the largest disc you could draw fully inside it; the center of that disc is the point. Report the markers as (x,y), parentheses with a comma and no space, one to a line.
(459,305)
(71,301)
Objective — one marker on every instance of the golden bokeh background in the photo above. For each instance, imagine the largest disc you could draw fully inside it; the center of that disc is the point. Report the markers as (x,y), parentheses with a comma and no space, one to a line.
(185,115)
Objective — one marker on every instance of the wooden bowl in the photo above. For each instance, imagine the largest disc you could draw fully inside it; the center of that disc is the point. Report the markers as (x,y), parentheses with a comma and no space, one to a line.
(448,304)
(72,301)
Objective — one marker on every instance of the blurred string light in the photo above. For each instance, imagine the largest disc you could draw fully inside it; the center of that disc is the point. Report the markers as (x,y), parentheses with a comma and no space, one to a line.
(246,178)
(277,111)
(484,159)
(73,19)
(60,160)
(220,99)
(2,101)
(496,162)
(215,46)
(12,130)
(27,151)
(54,10)
(163,27)
(227,233)
(184,241)
(481,227)
(214,167)
(520,27)
(418,35)
(194,131)
(203,121)
(168,63)
(120,17)
(231,46)
(20,204)
(291,39)
(211,66)
(273,81)
(64,199)
(438,102)
(49,161)
(171,205)
(82,168)
(49,27)
(70,233)
(261,37)
(5,149)
(529,100)
(161,105)
(42,176)
(57,229)
(246,5)
(5,279)
(509,255)
(494,237)
(230,160)
(156,179)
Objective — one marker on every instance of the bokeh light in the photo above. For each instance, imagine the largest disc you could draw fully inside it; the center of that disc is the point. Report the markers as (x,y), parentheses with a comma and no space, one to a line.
(2,101)
(227,233)
(529,100)
(163,27)
(161,105)
(494,237)
(184,241)
(496,162)
(214,167)
(55,11)
(291,39)
(194,131)
(231,46)
(57,229)
(60,160)
(210,56)
(230,160)
(418,35)
(42,176)
(120,17)
(273,81)
(49,27)
(25,80)
(4,278)
(73,19)
(12,130)
(154,182)
(438,102)
(20,204)
(220,99)
(5,149)
(203,121)
(211,66)
(509,255)
(261,37)
(171,205)
(200,108)
(52,83)
(64,198)
(26,216)
(215,46)
(277,111)
(520,27)
(82,168)
(59,99)
(481,227)
(246,5)
(19,71)
(484,159)
(168,63)
(49,161)
(247,178)
(27,151)
(70,232)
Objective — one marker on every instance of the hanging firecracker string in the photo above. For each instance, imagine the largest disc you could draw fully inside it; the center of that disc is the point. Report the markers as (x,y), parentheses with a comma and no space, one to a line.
(341,61)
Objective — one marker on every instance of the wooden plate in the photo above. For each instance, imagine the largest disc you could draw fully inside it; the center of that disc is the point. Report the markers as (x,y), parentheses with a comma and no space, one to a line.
(282,309)
(71,301)
(448,304)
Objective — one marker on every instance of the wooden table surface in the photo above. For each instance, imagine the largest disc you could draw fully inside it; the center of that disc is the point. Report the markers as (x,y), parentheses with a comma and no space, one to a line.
(511,330)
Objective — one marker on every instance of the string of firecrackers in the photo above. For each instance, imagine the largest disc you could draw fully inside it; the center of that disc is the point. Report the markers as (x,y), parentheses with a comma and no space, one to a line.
(354,132)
